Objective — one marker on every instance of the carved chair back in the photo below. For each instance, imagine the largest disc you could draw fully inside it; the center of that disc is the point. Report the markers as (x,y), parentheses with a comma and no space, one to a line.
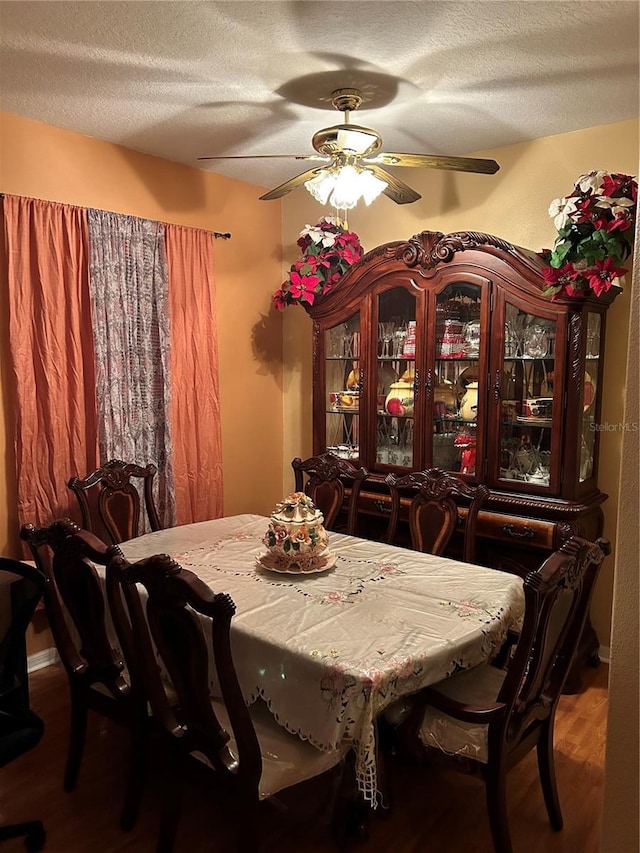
(176,599)
(500,731)
(110,502)
(75,604)
(557,600)
(433,512)
(326,476)
(21,587)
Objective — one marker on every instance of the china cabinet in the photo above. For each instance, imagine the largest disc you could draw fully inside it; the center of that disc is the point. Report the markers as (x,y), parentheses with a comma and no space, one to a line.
(441,351)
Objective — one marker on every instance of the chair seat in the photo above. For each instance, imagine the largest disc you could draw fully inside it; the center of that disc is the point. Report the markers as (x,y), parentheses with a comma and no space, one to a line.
(479,685)
(286,759)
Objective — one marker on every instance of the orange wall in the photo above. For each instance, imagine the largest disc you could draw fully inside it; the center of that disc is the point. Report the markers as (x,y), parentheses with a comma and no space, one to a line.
(57,165)
(511,204)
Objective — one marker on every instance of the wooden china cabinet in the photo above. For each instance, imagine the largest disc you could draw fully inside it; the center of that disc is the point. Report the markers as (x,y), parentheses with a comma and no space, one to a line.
(441,351)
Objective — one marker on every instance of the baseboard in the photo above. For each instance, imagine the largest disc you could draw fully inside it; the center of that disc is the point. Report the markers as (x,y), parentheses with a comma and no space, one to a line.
(39,660)
(604,653)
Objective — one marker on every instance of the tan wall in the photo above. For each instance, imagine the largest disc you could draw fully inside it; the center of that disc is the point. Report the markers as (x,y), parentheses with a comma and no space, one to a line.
(57,165)
(511,204)
(621,825)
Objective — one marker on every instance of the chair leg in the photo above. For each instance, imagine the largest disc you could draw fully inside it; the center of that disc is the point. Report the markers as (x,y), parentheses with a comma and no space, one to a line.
(137,769)
(248,823)
(495,783)
(172,802)
(77,736)
(546,768)
(33,831)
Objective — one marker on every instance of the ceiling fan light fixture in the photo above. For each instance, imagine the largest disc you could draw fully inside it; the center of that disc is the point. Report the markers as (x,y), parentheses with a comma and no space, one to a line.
(344,187)
(320,185)
(371,186)
(346,191)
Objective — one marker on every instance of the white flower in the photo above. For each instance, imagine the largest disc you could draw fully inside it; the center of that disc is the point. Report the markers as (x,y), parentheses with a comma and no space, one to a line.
(591,181)
(561,209)
(317,235)
(617,206)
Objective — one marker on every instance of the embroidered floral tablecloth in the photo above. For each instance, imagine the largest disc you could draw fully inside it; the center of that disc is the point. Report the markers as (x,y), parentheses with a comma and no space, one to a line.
(329,652)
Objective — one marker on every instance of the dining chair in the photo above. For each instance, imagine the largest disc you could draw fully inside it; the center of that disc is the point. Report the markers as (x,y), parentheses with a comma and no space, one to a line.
(433,512)
(487,718)
(250,756)
(98,679)
(21,587)
(110,502)
(323,479)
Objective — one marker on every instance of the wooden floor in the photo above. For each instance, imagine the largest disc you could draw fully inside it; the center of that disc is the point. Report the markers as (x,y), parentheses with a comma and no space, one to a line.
(435,810)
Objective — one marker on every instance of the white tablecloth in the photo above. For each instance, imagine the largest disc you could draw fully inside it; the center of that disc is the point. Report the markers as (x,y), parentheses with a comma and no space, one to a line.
(329,652)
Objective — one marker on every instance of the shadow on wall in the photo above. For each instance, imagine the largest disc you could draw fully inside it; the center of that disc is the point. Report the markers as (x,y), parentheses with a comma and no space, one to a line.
(151,172)
(266,343)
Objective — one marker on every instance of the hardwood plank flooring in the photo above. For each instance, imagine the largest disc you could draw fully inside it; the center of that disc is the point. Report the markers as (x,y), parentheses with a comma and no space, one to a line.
(435,810)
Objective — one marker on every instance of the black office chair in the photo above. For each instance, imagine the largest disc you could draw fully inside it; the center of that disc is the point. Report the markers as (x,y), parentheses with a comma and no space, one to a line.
(21,587)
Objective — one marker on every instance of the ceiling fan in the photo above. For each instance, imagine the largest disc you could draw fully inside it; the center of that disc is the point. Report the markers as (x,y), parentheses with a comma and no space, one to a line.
(352,163)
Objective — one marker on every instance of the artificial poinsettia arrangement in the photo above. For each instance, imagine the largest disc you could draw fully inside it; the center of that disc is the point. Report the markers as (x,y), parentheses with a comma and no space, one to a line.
(595,235)
(328,250)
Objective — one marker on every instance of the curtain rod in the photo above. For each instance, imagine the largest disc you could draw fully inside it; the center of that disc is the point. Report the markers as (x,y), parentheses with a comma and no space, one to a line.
(218,235)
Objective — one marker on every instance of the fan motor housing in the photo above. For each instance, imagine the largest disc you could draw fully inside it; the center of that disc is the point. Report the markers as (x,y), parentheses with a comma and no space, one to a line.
(325,141)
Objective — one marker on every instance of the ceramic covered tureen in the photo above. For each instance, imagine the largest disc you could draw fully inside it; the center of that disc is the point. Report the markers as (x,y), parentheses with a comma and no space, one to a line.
(296,538)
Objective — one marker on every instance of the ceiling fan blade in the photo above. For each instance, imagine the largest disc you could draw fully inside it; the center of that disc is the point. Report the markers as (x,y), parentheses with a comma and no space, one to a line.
(318,157)
(436,161)
(289,185)
(396,189)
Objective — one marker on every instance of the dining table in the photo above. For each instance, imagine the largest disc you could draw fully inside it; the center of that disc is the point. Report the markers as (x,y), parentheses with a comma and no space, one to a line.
(328,652)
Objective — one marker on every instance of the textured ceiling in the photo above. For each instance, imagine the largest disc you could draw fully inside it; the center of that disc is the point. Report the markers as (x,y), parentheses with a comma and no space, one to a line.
(188,79)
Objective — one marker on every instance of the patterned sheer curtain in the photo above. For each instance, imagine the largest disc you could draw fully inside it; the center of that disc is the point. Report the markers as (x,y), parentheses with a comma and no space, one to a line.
(129,288)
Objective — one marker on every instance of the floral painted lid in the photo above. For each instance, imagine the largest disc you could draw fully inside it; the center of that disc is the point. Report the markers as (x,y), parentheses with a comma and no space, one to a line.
(297,507)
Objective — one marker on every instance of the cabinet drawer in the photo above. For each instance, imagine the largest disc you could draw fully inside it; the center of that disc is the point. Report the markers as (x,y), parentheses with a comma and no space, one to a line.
(524,532)
(371,503)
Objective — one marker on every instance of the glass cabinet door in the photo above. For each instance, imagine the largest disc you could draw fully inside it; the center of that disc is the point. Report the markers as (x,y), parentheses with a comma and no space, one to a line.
(343,383)
(529,408)
(396,378)
(454,386)
(590,393)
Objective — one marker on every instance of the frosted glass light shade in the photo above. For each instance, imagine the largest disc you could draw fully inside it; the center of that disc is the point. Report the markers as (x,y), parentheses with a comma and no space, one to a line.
(344,188)
(320,186)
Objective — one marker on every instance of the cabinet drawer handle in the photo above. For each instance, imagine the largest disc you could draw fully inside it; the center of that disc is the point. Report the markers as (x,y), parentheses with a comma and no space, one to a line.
(381,506)
(525,533)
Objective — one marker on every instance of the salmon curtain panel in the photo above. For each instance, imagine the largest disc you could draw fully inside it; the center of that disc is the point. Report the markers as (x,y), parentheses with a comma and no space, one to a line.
(57,340)
(51,346)
(194,371)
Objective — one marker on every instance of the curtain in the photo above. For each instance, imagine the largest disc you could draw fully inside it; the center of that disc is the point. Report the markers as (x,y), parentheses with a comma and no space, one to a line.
(130,308)
(194,370)
(95,356)
(51,349)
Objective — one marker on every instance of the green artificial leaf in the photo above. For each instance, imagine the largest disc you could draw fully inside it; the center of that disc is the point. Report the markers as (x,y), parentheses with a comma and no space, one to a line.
(286,546)
(551,290)
(559,254)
